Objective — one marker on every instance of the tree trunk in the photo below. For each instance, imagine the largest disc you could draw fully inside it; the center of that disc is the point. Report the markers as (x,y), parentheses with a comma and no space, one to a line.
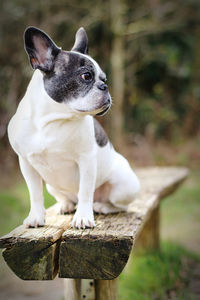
(117,71)
(191,124)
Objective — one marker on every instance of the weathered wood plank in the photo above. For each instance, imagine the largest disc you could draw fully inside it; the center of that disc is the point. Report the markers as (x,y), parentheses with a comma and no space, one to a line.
(156,183)
(51,232)
(32,253)
(102,252)
(99,253)
(32,260)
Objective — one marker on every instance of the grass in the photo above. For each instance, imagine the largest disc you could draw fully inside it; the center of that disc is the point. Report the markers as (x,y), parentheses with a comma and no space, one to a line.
(15,206)
(180,214)
(168,274)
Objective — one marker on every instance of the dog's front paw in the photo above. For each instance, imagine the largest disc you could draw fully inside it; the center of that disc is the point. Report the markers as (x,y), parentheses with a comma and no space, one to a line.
(83,219)
(35,219)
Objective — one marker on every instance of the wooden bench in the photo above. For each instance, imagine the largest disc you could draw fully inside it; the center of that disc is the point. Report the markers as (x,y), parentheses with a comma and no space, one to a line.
(91,259)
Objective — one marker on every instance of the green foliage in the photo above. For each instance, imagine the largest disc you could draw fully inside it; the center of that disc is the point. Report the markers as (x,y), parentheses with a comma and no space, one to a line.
(158,275)
(180,213)
(186,198)
(161,50)
(163,84)
(15,206)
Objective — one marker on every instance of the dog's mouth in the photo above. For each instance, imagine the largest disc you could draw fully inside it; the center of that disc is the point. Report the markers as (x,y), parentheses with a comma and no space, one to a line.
(104,111)
(98,112)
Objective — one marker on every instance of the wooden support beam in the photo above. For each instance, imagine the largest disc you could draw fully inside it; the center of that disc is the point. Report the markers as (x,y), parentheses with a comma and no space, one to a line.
(77,289)
(106,289)
(72,289)
(87,289)
(33,260)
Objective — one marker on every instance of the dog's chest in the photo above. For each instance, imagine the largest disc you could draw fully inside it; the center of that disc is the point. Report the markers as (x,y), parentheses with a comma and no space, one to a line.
(56,168)
(51,150)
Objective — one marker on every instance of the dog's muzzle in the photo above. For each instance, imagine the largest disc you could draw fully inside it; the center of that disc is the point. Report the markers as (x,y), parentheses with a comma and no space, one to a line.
(105,107)
(103,111)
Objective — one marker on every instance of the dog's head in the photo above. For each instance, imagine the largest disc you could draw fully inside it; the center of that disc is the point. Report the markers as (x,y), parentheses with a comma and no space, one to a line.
(70,77)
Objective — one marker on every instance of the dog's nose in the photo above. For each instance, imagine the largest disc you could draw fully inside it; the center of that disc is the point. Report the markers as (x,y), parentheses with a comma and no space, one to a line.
(108,101)
(102,86)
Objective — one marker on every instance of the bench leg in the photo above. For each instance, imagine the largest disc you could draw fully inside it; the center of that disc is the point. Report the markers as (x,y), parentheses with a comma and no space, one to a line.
(106,289)
(72,289)
(77,289)
(149,238)
(88,289)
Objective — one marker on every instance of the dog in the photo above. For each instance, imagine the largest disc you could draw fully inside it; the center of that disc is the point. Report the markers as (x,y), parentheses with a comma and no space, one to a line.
(58,140)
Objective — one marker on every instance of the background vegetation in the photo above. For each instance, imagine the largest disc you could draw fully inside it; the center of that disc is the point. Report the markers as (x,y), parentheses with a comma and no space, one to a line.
(150,52)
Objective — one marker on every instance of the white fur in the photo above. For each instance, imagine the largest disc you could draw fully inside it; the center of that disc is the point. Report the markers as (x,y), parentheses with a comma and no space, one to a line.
(56,144)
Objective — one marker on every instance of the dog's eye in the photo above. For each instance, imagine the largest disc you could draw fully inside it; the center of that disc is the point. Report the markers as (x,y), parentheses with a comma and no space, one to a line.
(86,76)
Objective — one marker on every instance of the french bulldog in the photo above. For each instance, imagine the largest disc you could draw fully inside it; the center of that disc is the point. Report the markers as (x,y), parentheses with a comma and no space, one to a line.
(58,140)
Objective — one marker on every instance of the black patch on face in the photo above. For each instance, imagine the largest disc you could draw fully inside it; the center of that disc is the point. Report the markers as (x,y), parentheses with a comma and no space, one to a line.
(65,81)
(100,135)
(82,61)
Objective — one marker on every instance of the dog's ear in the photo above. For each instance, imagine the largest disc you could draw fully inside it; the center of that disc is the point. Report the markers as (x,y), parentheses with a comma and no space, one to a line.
(40,48)
(81,41)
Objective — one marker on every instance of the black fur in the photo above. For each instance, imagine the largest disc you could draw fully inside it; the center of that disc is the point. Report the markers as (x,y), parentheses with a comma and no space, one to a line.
(100,135)
(65,82)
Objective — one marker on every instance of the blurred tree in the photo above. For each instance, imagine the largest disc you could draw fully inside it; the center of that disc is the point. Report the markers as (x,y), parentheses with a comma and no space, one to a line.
(149,50)
(160,42)
(192,119)
(117,69)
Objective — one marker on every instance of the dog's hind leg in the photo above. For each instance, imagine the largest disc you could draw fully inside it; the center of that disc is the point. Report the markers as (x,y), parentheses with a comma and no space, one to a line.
(105,208)
(65,204)
(101,203)
(124,182)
